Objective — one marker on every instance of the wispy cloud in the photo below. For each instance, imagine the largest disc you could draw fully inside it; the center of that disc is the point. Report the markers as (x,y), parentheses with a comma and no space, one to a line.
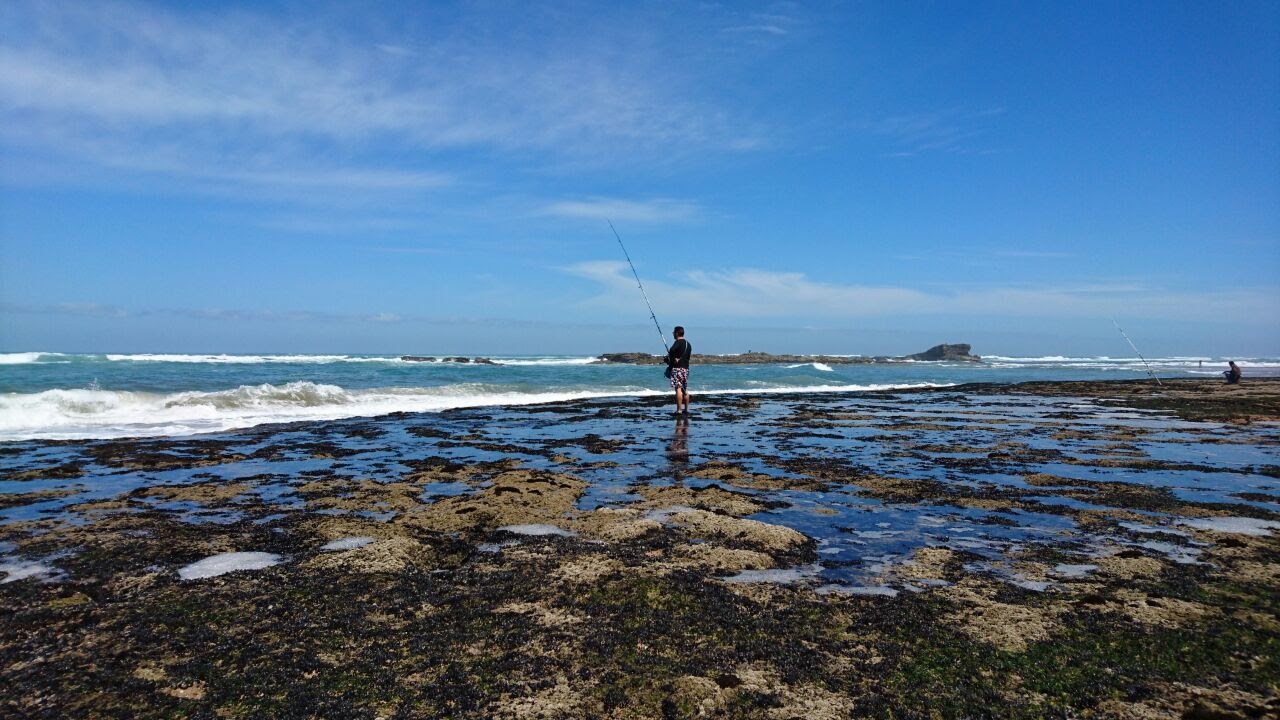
(231,98)
(765,294)
(955,131)
(1033,254)
(767,29)
(654,210)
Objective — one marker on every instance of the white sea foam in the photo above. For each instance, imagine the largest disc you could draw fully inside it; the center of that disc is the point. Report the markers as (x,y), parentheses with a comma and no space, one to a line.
(815,365)
(245,359)
(21,358)
(16,569)
(834,589)
(27,358)
(348,543)
(546,361)
(86,414)
(783,576)
(1073,571)
(224,563)
(1237,525)
(538,529)
(1032,585)
(1190,364)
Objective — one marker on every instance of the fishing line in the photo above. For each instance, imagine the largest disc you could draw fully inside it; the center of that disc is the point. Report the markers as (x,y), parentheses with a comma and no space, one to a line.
(640,285)
(1135,349)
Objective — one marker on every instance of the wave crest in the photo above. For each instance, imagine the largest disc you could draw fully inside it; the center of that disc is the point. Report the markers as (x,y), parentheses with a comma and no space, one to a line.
(89,414)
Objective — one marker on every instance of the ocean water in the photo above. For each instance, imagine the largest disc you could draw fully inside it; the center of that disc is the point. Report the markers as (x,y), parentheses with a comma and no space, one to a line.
(76,396)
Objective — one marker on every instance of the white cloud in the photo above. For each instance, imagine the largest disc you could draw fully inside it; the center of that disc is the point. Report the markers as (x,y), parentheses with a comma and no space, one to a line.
(200,94)
(764,294)
(656,210)
(767,29)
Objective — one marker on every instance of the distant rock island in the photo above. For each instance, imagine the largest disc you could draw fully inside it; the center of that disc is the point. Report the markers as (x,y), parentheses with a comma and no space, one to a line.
(949,352)
(957,352)
(430,359)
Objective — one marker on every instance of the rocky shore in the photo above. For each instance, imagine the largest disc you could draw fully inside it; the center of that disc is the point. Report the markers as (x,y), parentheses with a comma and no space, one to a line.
(952,353)
(1106,550)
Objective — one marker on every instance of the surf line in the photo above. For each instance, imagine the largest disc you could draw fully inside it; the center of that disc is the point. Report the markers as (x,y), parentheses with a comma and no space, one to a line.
(1135,349)
(640,285)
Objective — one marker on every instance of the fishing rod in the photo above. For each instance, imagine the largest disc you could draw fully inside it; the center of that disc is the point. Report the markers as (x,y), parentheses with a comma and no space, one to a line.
(1135,349)
(640,285)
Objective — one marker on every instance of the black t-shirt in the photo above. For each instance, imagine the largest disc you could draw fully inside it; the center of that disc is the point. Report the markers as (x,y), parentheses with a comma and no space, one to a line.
(678,355)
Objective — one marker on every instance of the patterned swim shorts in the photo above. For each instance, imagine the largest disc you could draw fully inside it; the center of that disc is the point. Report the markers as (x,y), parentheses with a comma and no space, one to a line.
(680,379)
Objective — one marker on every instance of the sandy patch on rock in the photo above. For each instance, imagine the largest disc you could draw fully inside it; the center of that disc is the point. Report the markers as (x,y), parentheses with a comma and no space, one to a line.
(587,569)
(701,523)
(545,615)
(194,691)
(1043,479)
(1155,611)
(711,696)
(929,563)
(710,498)
(384,555)
(737,476)
(1008,627)
(1262,574)
(150,672)
(714,557)
(1129,568)
(516,497)
(206,492)
(558,701)
(615,525)
(98,506)
(361,495)
(1179,701)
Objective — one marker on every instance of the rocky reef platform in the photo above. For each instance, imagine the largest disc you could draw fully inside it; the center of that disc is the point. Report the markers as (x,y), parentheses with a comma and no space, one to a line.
(1107,550)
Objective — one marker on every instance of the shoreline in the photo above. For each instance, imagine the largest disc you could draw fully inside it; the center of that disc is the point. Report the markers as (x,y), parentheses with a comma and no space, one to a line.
(1194,398)
(1037,547)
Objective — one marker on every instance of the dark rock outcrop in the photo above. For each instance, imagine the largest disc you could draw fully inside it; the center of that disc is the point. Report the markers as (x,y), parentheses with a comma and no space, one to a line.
(752,357)
(959,352)
(427,358)
(631,358)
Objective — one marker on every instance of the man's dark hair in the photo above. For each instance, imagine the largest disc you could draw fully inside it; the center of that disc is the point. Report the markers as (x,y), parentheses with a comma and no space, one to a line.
(679,331)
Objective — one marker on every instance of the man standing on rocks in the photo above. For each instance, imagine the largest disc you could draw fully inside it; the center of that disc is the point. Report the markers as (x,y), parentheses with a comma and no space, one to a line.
(678,360)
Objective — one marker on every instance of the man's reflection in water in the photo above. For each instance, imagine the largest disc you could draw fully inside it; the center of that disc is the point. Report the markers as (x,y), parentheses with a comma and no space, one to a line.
(678,450)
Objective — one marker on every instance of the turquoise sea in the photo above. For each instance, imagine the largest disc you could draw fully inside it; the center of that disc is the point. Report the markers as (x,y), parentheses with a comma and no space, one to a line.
(67,396)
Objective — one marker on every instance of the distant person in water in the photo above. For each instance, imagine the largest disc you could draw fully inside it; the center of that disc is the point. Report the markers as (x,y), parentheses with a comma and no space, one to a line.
(1232,375)
(678,360)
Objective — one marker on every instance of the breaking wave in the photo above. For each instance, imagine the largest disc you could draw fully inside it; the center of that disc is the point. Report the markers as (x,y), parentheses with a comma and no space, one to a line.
(246,359)
(94,413)
(27,358)
(815,365)
(547,361)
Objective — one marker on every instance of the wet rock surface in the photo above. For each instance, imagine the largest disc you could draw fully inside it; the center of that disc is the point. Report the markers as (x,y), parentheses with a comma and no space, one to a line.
(1041,550)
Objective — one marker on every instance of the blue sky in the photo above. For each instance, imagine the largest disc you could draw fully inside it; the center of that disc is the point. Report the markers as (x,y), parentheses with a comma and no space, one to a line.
(830,177)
